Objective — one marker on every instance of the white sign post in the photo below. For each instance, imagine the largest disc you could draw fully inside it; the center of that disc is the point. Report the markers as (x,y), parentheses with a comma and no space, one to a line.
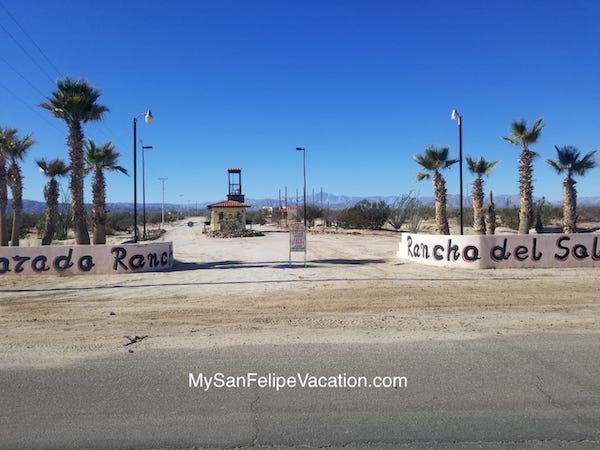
(297,240)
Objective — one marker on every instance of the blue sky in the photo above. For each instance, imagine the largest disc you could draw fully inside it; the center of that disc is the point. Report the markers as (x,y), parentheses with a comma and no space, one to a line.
(363,85)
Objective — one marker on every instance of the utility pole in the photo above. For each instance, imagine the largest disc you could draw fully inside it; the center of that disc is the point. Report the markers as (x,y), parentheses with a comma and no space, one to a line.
(162,216)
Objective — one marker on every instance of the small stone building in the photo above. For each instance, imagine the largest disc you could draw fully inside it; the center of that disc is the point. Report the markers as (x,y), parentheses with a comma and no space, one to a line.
(230,215)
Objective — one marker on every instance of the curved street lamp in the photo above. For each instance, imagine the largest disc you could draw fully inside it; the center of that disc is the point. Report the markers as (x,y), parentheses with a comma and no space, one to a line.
(148,119)
(456,116)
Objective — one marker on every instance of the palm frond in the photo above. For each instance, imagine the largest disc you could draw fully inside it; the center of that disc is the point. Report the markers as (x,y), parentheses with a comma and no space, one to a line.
(556,166)
(523,136)
(75,101)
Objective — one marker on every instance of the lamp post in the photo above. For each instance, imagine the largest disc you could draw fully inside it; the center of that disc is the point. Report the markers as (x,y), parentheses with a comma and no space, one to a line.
(303,150)
(456,116)
(162,215)
(148,119)
(144,148)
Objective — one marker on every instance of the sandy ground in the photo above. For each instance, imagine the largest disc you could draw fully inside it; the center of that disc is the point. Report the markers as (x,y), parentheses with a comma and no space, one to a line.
(243,291)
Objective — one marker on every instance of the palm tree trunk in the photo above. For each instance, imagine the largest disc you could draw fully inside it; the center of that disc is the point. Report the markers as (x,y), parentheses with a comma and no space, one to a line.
(526,191)
(569,206)
(51,196)
(3,203)
(439,185)
(75,143)
(478,212)
(16,186)
(99,208)
(490,217)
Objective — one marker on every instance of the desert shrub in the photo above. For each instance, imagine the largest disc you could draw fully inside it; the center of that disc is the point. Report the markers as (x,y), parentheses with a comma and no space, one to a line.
(119,221)
(588,213)
(404,211)
(312,212)
(365,215)
(508,216)
(29,221)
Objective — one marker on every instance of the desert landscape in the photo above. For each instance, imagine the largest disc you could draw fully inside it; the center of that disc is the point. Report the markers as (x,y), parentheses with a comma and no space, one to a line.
(230,292)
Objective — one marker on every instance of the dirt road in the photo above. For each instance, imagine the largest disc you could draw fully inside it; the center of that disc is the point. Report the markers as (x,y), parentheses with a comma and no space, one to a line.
(243,291)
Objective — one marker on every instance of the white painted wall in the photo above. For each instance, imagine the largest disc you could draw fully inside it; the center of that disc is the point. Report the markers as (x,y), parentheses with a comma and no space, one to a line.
(502,251)
(86,259)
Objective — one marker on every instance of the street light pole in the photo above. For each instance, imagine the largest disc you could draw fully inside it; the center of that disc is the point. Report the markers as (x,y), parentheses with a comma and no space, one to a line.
(303,150)
(144,148)
(148,119)
(162,215)
(456,116)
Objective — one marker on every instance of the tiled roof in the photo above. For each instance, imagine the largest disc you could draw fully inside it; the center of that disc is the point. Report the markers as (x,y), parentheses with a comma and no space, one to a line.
(229,204)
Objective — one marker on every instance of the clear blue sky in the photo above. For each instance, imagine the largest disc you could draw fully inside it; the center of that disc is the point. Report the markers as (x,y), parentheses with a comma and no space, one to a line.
(363,85)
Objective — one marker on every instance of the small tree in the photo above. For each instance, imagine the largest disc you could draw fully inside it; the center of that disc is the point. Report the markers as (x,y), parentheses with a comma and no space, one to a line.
(404,210)
(100,159)
(479,168)
(365,215)
(312,212)
(432,161)
(52,169)
(64,216)
(490,216)
(7,138)
(16,153)
(569,161)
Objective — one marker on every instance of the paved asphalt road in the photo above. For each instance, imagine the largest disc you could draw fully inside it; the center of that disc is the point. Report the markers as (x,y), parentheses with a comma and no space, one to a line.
(540,391)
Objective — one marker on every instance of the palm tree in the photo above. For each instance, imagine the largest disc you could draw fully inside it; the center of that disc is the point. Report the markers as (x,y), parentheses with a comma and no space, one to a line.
(16,153)
(490,216)
(100,159)
(52,169)
(75,102)
(568,161)
(432,161)
(479,168)
(524,137)
(7,138)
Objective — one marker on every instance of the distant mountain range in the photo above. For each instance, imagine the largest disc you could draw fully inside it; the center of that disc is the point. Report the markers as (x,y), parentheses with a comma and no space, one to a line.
(329,200)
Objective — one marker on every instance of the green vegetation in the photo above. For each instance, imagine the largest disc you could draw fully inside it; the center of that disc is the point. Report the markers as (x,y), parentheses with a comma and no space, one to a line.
(432,161)
(570,162)
(365,215)
(524,137)
(100,159)
(75,102)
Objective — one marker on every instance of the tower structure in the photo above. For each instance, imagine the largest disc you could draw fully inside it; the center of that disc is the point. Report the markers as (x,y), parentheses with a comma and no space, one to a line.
(235,185)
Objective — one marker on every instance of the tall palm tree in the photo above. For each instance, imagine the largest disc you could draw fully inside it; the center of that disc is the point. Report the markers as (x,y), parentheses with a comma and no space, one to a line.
(7,138)
(569,161)
(16,153)
(75,102)
(100,159)
(432,161)
(52,169)
(524,137)
(479,168)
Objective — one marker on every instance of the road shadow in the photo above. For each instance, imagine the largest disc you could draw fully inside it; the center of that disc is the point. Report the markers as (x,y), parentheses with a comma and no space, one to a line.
(348,262)
(183,266)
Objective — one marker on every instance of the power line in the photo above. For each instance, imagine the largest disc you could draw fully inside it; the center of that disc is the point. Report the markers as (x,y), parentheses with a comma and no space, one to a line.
(28,106)
(22,76)
(97,126)
(31,39)
(27,53)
